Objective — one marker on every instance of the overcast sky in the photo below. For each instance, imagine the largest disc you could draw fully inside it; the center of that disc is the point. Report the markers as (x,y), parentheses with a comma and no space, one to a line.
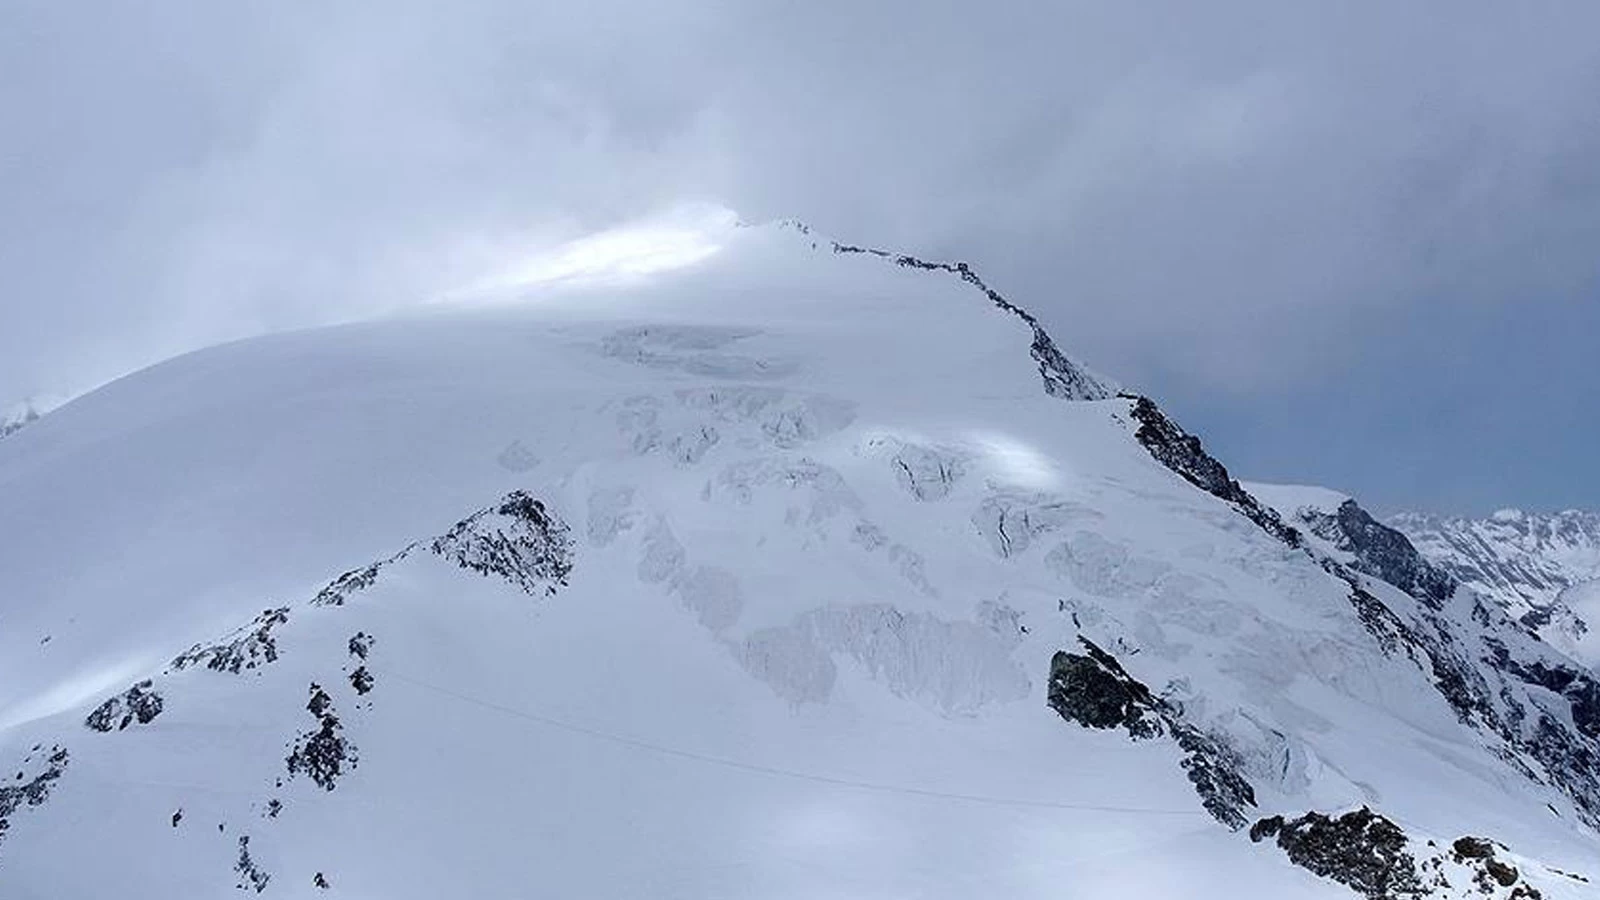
(1353,243)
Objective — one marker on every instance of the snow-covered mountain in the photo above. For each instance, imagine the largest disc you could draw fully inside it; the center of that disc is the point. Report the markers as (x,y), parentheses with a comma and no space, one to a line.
(805,570)
(1541,567)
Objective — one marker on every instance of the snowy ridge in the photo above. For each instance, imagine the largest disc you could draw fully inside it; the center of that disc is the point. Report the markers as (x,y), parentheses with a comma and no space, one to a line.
(830,569)
(1061,376)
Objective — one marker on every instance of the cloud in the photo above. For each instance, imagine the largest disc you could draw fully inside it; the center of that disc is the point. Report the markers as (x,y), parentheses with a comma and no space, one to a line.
(1228,197)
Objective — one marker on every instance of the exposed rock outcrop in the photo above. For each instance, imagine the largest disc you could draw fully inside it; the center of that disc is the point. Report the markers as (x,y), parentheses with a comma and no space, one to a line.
(139,703)
(32,791)
(1382,552)
(1184,454)
(251,646)
(356,580)
(518,540)
(251,875)
(323,754)
(1094,690)
(1360,849)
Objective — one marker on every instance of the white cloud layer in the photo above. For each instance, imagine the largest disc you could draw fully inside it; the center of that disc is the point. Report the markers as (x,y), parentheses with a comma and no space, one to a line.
(1237,198)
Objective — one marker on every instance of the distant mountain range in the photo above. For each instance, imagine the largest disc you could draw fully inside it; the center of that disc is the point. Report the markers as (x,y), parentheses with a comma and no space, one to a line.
(1540,567)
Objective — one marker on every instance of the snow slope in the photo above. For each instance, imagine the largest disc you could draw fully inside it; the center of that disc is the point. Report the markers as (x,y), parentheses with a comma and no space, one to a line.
(799,572)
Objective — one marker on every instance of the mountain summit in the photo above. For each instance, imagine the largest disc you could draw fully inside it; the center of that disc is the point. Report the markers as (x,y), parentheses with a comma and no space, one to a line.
(805,569)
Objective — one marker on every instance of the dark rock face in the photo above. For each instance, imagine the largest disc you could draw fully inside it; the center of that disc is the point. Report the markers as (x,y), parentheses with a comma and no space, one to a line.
(518,540)
(1184,454)
(361,679)
(349,583)
(1504,874)
(1382,552)
(1489,872)
(34,791)
(137,704)
(251,646)
(1213,769)
(1469,847)
(1577,687)
(1360,849)
(1095,691)
(356,580)
(1368,853)
(1584,695)
(1061,376)
(1390,631)
(322,754)
(1084,689)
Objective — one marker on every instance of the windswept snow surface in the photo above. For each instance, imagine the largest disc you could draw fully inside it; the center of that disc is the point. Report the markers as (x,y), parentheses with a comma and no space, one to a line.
(773,616)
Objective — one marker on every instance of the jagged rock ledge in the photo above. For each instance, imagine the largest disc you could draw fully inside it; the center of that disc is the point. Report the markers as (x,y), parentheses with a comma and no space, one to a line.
(1373,856)
(322,754)
(1062,377)
(34,791)
(1094,690)
(1382,552)
(1184,454)
(356,580)
(139,703)
(518,540)
(1360,849)
(251,646)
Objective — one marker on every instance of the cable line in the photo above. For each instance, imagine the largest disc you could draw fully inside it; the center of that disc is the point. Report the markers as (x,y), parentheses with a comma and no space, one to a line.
(781,772)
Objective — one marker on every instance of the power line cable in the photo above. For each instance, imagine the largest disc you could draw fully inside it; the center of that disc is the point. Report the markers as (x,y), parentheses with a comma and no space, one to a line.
(757,768)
